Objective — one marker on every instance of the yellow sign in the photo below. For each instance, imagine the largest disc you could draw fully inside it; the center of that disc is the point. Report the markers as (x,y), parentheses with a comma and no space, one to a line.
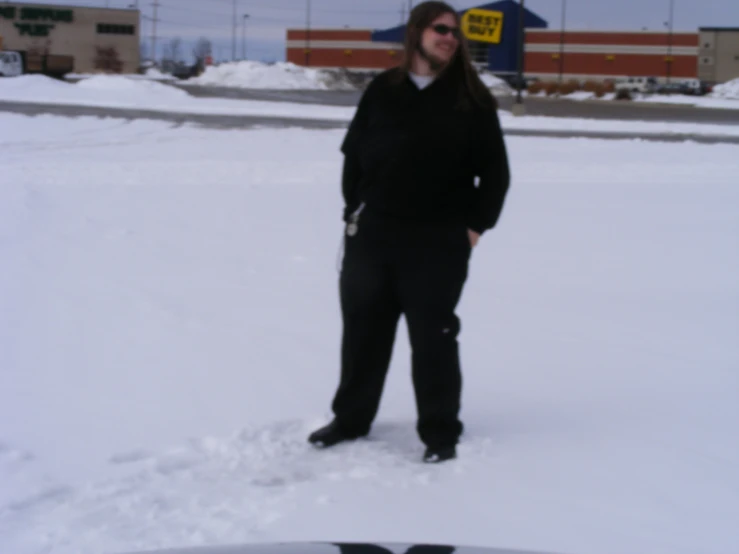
(483,25)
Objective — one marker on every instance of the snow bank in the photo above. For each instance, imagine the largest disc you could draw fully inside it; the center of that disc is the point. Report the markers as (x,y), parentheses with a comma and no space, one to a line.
(120,92)
(152,74)
(279,76)
(496,85)
(142,90)
(714,102)
(728,90)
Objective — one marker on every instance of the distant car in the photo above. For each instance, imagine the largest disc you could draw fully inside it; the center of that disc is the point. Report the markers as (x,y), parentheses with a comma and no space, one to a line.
(691,87)
(645,85)
(11,64)
(339,548)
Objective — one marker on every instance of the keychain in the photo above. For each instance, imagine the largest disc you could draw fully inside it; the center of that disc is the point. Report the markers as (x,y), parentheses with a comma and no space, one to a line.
(353,227)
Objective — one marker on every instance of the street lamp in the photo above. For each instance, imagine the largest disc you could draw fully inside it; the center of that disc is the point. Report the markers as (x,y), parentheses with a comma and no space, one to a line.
(243,36)
(307,32)
(562,43)
(669,40)
(518,108)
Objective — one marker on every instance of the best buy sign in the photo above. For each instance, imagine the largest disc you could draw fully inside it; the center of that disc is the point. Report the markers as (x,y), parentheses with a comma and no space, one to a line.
(483,25)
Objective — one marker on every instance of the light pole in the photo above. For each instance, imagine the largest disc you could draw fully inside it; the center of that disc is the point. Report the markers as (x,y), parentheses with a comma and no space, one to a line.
(243,36)
(234,23)
(307,33)
(669,40)
(518,108)
(562,43)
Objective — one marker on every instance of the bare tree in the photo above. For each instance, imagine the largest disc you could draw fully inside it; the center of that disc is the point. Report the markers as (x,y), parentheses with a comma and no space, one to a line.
(173,50)
(203,49)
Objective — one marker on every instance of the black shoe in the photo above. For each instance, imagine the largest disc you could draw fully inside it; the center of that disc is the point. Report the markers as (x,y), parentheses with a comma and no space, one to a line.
(438,455)
(331,435)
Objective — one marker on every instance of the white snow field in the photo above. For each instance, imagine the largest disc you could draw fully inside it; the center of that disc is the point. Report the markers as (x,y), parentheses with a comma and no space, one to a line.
(170,330)
(115,91)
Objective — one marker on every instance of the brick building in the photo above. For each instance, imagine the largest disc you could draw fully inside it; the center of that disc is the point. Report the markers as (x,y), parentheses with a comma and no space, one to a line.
(711,54)
(81,39)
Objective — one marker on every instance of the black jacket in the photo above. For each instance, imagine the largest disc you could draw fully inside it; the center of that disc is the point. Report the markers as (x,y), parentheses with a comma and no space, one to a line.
(415,154)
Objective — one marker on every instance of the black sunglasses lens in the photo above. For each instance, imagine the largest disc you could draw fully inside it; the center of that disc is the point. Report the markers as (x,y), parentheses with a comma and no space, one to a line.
(445,30)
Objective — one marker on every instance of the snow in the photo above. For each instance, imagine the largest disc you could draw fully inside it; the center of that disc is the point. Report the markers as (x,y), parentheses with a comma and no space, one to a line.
(543,123)
(729,90)
(154,73)
(707,101)
(169,334)
(289,76)
(278,76)
(122,92)
(496,84)
(710,101)
(141,90)
(151,73)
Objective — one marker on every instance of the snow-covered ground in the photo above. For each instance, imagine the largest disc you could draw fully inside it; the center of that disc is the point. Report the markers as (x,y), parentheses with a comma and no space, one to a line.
(278,76)
(728,90)
(707,101)
(722,98)
(151,74)
(114,91)
(169,333)
(497,85)
(121,92)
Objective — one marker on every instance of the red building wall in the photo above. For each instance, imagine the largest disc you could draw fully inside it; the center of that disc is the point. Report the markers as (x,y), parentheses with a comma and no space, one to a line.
(587,54)
(641,38)
(353,58)
(598,65)
(339,48)
(329,34)
(603,55)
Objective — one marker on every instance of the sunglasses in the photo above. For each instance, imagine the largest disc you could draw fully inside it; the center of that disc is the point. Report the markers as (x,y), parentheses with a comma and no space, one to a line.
(444,30)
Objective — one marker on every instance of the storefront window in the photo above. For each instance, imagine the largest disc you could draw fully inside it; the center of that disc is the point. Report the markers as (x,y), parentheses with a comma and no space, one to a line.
(110,29)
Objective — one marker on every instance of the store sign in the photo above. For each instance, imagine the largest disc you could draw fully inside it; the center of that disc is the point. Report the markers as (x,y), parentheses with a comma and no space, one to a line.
(34,22)
(483,25)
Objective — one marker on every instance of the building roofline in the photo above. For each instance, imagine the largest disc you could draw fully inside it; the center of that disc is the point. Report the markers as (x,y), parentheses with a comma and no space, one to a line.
(66,7)
(614,32)
(323,29)
(729,29)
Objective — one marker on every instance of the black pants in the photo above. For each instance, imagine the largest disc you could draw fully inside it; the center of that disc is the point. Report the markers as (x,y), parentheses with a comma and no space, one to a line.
(418,270)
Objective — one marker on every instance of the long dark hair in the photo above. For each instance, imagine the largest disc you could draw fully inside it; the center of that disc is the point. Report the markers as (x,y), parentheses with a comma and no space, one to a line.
(460,68)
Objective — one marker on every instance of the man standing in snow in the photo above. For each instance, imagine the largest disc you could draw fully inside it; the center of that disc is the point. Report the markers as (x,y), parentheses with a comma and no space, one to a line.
(425,175)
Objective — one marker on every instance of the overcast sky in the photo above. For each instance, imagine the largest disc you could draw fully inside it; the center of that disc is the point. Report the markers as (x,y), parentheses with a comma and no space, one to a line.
(265,31)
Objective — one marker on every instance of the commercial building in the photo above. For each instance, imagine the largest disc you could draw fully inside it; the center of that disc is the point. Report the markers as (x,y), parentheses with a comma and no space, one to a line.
(604,55)
(75,38)
(718,58)
(709,54)
(371,49)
